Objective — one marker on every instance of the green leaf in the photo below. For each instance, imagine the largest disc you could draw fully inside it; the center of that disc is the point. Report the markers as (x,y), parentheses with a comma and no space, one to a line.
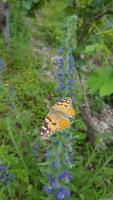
(101,80)
(94,82)
(107,88)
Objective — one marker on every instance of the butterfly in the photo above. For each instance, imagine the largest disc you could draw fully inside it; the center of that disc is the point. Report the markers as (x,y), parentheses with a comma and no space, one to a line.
(58,118)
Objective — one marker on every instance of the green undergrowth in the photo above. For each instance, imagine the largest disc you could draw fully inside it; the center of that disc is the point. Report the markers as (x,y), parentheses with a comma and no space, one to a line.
(50,23)
(25,95)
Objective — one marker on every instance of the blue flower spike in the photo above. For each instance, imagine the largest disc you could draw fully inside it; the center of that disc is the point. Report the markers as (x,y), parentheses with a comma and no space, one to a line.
(59,154)
(62,193)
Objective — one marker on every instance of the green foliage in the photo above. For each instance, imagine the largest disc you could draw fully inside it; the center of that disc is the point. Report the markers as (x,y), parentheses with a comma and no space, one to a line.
(25,90)
(101,80)
(92,173)
(70,29)
(52,22)
(94,41)
(30,5)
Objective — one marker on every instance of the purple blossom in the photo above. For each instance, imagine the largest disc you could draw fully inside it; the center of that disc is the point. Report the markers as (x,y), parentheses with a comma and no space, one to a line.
(71,82)
(54,164)
(71,49)
(71,94)
(71,58)
(60,79)
(61,193)
(52,181)
(60,74)
(48,189)
(60,61)
(65,176)
(60,50)
(59,66)
(61,86)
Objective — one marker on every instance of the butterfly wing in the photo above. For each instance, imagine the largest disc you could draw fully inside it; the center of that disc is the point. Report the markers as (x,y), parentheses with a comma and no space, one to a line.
(58,118)
(53,122)
(65,107)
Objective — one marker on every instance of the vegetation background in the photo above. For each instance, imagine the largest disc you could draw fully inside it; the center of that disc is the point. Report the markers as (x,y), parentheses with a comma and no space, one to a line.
(41,33)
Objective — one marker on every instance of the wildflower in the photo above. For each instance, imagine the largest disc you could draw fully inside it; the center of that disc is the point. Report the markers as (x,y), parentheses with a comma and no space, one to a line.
(61,79)
(61,193)
(52,181)
(59,153)
(60,74)
(65,176)
(5,176)
(71,49)
(71,58)
(71,94)
(60,61)
(60,50)
(61,86)
(48,189)
(54,164)
(59,66)
(71,82)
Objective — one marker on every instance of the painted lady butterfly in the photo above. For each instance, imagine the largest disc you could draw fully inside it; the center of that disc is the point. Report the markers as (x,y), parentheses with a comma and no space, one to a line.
(58,117)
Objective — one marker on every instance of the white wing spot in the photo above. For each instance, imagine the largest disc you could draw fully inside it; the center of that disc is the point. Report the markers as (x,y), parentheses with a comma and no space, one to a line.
(43,127)
(47,132)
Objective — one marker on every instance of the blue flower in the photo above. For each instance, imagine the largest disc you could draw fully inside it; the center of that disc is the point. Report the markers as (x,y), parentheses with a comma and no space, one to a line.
(60,74)
(71,82)
(61,86)
(60,61)
(5,176)
(61,193)
(71,49)
(60,50)
(71,94)
(60,79)
(48,189)
(52,181)
(60,67)
(65,176)
(71,58)
(54,164)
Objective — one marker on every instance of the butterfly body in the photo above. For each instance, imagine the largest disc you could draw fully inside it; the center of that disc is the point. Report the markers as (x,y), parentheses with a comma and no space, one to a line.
(58,118)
